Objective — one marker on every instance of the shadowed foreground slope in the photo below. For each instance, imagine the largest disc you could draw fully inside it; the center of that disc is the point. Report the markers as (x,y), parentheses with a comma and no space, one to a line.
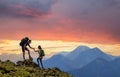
(28,69)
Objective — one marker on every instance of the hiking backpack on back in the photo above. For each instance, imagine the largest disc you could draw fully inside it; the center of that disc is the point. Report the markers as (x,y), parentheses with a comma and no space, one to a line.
(23,41)
(42,53)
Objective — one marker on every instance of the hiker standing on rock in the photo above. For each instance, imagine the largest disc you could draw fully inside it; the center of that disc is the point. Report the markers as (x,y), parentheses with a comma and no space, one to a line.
(24,43)
(41,54)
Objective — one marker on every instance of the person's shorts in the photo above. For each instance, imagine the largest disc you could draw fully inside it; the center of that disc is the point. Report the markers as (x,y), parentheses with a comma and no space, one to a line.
(23,49)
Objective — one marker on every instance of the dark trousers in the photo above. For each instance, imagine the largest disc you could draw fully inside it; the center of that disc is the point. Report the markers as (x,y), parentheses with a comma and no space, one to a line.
(39,60)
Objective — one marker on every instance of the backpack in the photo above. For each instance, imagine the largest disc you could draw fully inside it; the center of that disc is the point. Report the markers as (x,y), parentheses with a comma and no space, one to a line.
(23,41)
(42,53)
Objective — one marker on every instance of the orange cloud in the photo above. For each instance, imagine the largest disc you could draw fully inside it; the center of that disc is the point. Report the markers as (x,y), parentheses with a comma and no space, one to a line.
(75,22)
(4,41)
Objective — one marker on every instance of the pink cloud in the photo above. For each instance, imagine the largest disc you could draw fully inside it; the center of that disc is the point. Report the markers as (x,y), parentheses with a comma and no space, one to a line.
(25,9)
(83,20)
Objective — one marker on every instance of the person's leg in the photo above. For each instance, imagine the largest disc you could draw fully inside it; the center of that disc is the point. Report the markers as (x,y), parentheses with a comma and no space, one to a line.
(38,62)
(23,50)
(24,55)
(41,62)
(28,53)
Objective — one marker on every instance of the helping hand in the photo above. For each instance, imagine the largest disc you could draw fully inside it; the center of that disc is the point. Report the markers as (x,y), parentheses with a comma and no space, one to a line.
(34,49)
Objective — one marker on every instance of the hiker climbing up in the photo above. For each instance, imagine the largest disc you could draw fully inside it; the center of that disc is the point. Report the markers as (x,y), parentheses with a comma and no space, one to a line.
(41,54)
(24,43)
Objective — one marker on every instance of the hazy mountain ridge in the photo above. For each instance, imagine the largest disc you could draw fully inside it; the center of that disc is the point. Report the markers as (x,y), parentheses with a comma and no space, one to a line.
(72,55)
(99,68)
(81,60)
(58,61)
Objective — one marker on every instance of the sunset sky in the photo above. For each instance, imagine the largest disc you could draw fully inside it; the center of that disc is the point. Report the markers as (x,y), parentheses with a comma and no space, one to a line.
(60,25)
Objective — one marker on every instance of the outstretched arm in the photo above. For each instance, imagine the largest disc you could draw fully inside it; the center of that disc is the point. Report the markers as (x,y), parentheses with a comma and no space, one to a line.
(36,50)
(31,47)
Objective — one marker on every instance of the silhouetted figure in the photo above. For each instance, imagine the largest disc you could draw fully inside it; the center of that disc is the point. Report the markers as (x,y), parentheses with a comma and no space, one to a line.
(24,43)
(41,54)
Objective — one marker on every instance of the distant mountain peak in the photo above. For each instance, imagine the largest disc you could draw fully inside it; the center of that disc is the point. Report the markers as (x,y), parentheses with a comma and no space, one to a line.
(77,51)
(81,48)
(96,48)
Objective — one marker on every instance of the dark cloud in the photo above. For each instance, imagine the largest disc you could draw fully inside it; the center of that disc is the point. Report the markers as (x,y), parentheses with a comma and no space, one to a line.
(25,8)
(73,20)
(93,16)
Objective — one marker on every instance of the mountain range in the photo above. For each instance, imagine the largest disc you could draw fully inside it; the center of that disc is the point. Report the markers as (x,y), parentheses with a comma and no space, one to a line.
(99,68)
(86,62)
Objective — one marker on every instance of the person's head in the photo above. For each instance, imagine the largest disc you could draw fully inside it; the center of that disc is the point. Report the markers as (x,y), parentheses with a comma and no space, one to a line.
(29,41)
(27,38)
(39,47)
